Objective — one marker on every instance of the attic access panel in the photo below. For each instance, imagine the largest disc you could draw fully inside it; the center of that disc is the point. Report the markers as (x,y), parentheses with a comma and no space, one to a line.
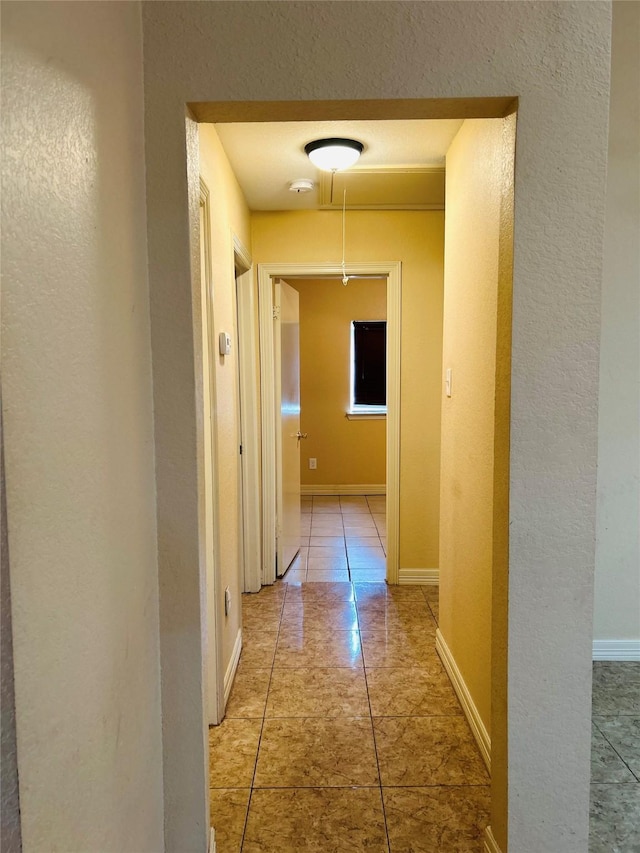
(391,188)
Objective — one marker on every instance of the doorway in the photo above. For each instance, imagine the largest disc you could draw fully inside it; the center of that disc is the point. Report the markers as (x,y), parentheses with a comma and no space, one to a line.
(267,273)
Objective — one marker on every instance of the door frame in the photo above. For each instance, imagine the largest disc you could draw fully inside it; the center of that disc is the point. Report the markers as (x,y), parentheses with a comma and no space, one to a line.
(249,418)
(392,271)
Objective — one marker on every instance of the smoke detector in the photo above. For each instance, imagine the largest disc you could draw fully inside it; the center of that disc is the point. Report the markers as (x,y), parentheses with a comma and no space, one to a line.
(301,186)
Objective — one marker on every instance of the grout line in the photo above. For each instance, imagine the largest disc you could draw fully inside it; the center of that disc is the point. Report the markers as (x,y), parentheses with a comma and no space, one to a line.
(264,716)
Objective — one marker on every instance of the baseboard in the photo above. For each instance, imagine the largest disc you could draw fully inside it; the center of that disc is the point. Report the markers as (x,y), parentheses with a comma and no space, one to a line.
(230,674)
(212,841)
(478,728)
(358,489)
(490,844)
(422,577)
(616,650)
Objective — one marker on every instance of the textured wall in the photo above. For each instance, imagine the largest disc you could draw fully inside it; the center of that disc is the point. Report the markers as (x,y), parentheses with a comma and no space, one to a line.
(348,451)
(555,57)
(416,238)
(472,240)
(617,589)
(79,429)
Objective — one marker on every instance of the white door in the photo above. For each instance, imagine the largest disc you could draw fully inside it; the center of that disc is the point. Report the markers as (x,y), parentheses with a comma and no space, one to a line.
(288,435)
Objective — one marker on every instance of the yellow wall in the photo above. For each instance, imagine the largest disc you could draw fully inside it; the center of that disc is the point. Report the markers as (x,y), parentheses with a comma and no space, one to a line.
(416,239)
(349,452)
(229,216)
(475,419)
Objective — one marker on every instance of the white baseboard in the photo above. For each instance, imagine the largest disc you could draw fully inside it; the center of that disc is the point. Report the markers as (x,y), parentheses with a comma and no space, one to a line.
(230,674)
(358,489)
(616,650)
(478,728)
(490,844)
(212,841)
(423,577)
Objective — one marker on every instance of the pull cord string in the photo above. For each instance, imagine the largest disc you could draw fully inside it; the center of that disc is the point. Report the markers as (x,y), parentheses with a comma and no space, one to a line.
(345,277)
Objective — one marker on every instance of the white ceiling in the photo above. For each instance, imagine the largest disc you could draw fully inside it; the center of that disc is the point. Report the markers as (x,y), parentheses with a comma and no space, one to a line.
(267,156)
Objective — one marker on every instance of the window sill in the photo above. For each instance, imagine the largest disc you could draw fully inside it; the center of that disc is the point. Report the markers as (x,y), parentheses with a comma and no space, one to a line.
(364,414)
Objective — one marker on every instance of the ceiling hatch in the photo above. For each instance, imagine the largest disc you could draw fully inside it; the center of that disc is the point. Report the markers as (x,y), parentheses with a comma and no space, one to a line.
(386,187)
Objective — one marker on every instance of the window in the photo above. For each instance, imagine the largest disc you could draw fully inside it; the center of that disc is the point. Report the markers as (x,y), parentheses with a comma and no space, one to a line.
(368,367)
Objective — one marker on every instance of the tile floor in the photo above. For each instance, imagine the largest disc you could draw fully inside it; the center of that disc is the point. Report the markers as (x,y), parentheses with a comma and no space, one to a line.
(343,732)
(343,538)
(615,759)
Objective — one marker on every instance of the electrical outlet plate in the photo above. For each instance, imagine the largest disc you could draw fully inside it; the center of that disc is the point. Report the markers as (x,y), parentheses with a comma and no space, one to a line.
(313,464)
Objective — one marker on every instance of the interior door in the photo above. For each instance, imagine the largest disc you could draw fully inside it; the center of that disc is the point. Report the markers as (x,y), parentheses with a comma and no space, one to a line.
(288,435)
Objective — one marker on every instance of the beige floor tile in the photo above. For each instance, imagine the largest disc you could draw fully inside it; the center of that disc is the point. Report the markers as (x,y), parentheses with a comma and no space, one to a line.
(400,651)
(366,558)
(249,693)
(312,752)
(267,605)
(327,529)
(328,575)
(426,820)
(385,619)
(295,576)
(325,592)
(355,510)
(258,649)
(301,649)
(435,610)
(309,692)
(327,542)
(228,809)
(328,563)
(340,615)
(326,500)
(421,751)
(431,592)
(360,525)
(316,820)
(233,747)
(368,575)
(371,541)
(328,510)
(327,551)
(353,500)
(259,619)
(411,693)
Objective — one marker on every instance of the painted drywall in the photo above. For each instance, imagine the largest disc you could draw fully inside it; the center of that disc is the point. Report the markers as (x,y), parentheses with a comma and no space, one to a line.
(79,428)
(555,57)
(229,216)
(349,452)
(416,238)
(472,239)
(617,578)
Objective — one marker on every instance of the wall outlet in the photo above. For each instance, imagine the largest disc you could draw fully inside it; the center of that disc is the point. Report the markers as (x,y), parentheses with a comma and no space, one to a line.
(313,464)
(227,601)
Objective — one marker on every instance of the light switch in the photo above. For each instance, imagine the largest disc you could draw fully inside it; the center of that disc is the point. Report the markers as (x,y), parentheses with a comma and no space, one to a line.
(447,382)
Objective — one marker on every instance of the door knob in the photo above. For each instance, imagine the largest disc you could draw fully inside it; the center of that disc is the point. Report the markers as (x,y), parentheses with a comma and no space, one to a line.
(300,435)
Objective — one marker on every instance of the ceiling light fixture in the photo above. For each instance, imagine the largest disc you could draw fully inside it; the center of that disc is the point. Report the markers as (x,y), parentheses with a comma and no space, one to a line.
(334,154)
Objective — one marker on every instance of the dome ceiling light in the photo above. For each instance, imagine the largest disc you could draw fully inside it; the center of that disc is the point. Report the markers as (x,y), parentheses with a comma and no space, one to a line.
(333,154)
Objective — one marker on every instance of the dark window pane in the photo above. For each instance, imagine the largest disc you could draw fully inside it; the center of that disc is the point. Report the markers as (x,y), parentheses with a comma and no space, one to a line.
(370,363)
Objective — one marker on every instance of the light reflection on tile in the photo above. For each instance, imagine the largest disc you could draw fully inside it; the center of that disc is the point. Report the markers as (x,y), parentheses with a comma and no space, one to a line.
(302,649)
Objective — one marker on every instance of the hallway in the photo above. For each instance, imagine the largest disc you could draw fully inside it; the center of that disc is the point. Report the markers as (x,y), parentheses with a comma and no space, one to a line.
(342,731)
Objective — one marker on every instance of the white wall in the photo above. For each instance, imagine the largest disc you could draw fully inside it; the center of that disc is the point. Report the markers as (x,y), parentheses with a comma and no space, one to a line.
(555,57)
(617,580)
(79,429)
